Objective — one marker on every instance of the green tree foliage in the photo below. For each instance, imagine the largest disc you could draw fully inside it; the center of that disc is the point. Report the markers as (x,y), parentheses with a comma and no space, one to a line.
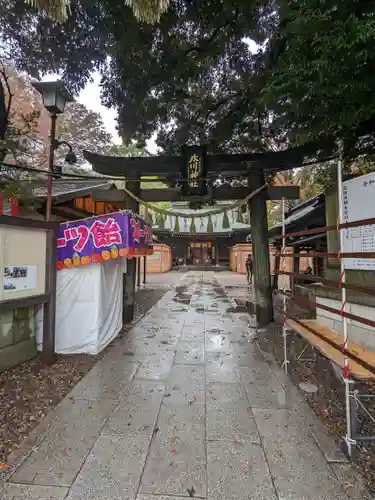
(189,77)
(26,124)
(320,61)
(192,78)
(57,10)
(145,10)
(83,129)
(133,149)
(25,130)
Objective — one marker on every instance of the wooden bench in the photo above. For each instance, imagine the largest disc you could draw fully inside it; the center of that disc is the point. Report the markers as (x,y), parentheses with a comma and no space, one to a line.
(329,343)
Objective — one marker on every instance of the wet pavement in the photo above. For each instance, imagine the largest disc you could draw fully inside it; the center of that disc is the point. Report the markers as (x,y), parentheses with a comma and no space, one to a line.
(185,406)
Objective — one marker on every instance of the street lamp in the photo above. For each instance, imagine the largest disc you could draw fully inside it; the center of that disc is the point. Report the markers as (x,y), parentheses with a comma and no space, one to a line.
(55,96)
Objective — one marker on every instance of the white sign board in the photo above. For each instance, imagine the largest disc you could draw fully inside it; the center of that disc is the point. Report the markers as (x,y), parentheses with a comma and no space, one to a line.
(19,278)
(358,202)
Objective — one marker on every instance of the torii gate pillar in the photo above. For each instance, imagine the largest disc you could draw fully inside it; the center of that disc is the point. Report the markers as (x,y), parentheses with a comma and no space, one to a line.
(260,251)
(129,281)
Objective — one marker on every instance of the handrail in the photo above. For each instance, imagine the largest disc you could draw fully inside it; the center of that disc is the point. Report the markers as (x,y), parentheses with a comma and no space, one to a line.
(330,283)
(346,225)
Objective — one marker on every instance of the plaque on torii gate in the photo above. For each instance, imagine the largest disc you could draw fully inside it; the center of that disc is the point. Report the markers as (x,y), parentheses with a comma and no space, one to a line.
(194,171)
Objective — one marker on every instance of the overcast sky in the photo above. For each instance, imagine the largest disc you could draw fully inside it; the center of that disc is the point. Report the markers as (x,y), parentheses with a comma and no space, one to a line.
(90,97)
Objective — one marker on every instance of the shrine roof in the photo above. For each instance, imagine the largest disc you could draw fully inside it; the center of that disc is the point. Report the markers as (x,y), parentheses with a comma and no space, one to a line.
(306,215)
(68,189)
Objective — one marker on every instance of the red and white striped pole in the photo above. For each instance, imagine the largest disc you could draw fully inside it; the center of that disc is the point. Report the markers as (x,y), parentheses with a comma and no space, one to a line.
(283,252)
(346,375)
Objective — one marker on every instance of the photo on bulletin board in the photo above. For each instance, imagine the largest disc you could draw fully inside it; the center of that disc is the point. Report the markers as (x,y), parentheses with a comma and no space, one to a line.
(19,278)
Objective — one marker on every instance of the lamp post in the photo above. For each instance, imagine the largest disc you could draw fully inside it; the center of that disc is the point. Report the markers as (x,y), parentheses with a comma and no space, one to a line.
(55,96)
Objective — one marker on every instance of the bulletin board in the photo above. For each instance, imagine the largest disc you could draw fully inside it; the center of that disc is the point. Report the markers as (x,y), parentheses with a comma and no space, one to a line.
(358,203)
(22,262)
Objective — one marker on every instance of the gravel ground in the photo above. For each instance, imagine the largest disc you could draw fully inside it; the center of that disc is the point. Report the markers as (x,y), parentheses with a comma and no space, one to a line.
(328,403)
(29,391)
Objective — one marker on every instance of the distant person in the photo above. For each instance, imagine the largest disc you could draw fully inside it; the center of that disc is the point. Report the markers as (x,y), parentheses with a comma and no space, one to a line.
(249,269)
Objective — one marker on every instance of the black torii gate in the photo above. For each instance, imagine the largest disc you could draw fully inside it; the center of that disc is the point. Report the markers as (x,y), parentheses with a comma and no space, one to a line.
(254,167)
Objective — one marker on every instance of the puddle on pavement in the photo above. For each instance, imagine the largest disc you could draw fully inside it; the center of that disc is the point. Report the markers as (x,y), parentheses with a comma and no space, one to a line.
(182,300)
(242,307)
(216,330)
(217,341)
(182,297)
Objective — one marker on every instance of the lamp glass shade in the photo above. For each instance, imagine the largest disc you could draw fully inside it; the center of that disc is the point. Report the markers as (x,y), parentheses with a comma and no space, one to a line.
(54,95)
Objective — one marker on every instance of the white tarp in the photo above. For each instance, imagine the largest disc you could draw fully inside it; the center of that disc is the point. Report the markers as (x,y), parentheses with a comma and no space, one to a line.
(88,307)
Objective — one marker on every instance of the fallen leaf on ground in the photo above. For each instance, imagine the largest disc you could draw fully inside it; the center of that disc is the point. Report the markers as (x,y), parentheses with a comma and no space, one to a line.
(244,466)
(348,485)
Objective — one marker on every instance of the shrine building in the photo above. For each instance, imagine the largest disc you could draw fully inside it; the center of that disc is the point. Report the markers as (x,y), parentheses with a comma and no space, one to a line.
(203,241)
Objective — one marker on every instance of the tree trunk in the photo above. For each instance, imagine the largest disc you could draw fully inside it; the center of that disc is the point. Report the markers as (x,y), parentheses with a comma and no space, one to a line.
(4,116)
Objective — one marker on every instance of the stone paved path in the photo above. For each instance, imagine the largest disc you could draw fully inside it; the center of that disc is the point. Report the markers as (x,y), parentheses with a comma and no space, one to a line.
(185,407)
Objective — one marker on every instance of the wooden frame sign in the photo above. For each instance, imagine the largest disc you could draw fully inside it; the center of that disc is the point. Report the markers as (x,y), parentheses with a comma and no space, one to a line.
(28,271)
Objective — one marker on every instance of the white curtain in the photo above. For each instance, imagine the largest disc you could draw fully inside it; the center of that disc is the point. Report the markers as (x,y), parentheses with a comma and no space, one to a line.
(88,307)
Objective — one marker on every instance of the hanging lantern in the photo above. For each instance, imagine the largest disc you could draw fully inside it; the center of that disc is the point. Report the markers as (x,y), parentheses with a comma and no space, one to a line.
(193,229)
(216,221)
(176,228)
(226,224)
(185,224)
(210,227)
(202,223)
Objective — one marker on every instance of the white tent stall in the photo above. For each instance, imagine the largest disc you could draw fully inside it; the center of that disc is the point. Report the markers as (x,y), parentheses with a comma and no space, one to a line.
(89,301)
(89,288)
